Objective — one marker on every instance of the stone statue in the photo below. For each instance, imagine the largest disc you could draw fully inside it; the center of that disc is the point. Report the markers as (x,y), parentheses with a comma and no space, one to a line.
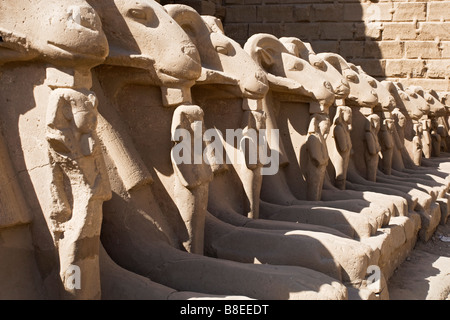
(401,159)
(426,137)
(316,149)
(79,183)
(443,120)
(191,187)
(289,212)
(64,111)
(268,48)
(16,216)
(443,133)
(404,127)
(437,110)
(75,155)
(303,50)
(415,186)
(422,196)
(417,144)
(386,138)
(409,103)
(436,139)
(383,109)
(156,238)
(418,200)
(221,180)
(340,144)
(362,99)
(71,198)
(372,146)
(205,95)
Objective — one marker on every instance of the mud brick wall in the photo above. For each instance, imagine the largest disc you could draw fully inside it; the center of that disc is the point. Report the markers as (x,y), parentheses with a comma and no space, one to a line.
(407,41)
(205,7)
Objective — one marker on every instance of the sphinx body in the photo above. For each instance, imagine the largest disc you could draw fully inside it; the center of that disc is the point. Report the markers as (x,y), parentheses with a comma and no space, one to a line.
(408,145)
(60,166)
(222,203)
(69,152)
(339,145)
(70,140)
(288,89)
(159,238)
(375,195)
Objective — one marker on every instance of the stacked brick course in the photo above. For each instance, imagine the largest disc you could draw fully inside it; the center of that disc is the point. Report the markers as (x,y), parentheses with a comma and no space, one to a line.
(407,41)
(205,7)
(398,40)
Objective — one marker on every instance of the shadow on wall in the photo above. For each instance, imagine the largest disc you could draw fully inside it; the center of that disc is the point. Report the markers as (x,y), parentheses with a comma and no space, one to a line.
(348,28)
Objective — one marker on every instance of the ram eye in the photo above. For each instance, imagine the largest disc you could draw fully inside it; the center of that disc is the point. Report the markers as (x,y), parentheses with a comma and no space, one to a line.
(372,83)
(352,77)
(320,65)
(137,14)
(222,50)
(297,66)
(403,95)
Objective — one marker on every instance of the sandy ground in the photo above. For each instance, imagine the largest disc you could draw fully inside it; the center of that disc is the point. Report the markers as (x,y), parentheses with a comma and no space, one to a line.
(425,274)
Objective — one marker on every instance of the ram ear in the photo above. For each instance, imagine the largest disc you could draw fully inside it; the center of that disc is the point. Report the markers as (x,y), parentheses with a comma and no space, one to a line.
(214,24)
(263,47)
(335,60)
(389,85)
(418,90)
(297,47)
(434,94)
(188,19)
(266,57)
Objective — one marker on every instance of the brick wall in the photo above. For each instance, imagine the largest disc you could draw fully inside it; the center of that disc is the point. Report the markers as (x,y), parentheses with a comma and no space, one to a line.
(206,7)
(407,41)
